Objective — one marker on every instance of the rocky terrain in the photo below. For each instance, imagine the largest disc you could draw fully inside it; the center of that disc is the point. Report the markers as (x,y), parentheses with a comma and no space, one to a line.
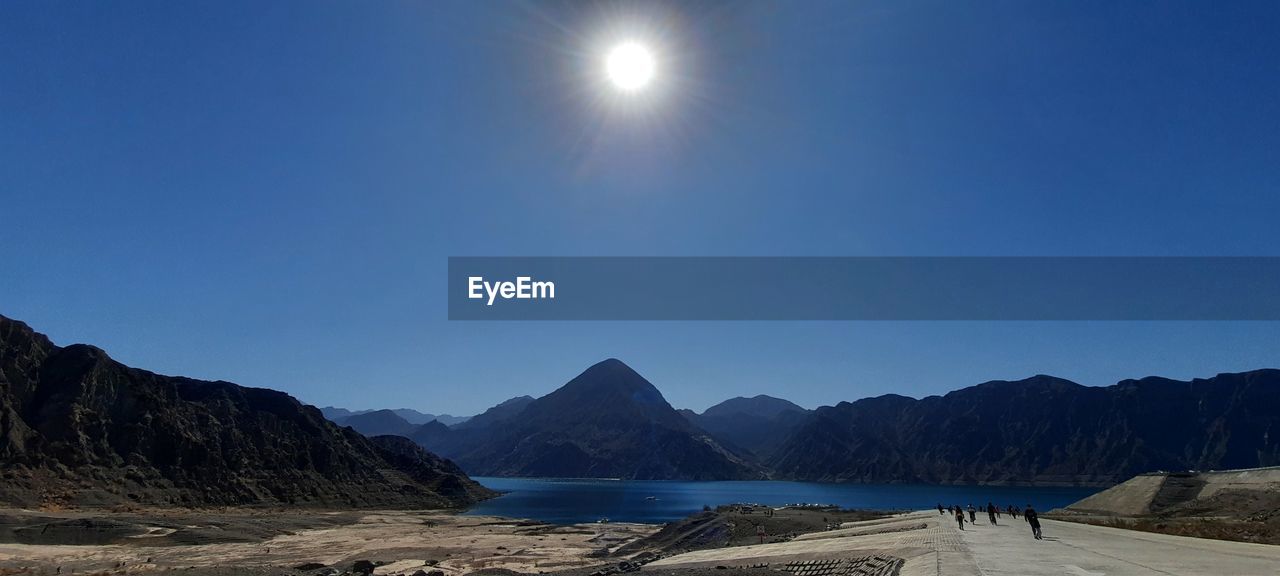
(78,428)
(1042,430)
(297,542)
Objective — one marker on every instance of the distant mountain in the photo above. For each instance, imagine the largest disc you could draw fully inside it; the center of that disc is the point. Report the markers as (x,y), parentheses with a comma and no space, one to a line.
(433,433)
(379,423)
(1043,430)
(504,410)
(608,422)
(415,417)
(758,424)
(77,427)
(469,436)
(336,414)
(340,416)
(760,406)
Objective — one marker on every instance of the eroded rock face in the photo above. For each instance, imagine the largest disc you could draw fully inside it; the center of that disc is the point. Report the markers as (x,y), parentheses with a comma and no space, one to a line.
(78,427)
(1042,429)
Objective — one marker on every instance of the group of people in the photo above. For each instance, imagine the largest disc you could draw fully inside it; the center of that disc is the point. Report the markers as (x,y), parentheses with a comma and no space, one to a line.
(1028,514)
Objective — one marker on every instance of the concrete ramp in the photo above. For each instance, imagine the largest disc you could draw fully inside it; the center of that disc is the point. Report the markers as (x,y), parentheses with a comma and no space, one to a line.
(899,524)
(913,544)
(1130,498)
(1175,493)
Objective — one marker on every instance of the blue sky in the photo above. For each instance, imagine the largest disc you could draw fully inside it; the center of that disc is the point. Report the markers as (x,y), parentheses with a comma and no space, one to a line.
(267,192)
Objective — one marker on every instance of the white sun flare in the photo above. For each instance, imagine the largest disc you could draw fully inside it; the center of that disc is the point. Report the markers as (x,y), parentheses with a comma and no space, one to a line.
(630,66)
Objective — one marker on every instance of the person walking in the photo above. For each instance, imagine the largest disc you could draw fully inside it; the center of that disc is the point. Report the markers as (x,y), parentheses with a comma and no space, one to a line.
(991,513)
(960,518)
(1034,520)
(973,514)
(940,512)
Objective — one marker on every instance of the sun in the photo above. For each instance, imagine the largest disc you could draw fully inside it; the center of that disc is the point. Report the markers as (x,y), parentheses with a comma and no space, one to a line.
(630,66)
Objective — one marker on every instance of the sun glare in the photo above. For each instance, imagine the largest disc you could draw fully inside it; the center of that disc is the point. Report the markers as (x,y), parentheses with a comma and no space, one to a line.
(630,66)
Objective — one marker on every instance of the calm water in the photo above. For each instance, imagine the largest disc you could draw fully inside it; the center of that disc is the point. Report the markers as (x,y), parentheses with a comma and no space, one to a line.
(571,501)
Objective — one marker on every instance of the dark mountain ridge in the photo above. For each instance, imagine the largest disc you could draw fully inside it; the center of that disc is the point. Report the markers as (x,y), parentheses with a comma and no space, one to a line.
(761,405)
(1042,430)
(77,427)
(758,424)
(379,423)
(414,417)
(608,422)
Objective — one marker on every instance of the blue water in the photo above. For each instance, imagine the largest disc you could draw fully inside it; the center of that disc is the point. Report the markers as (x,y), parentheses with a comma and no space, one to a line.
(571,501)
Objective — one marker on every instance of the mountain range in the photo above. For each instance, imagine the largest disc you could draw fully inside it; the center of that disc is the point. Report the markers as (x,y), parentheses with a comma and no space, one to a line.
(77,427)
(1042,430)
(610,422)
(413,417)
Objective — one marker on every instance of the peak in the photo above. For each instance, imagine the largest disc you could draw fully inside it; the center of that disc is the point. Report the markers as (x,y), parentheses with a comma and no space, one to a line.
(613,363)
(610,379)
(609,371)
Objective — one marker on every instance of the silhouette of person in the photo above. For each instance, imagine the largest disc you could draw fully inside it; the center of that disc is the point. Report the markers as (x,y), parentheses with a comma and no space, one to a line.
(960,518)
(991,513)
(940,512)
(973,514)
(1033,519)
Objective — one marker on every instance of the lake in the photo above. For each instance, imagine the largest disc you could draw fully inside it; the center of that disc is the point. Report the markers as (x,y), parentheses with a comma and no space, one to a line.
(561,501)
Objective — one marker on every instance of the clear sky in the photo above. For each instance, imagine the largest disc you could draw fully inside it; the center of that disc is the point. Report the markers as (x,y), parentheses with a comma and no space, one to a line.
(267,192)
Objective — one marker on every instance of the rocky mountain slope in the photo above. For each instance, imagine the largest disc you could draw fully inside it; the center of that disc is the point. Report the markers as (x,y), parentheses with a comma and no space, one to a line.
(608,422)
(504,410)
(1044,430)
(77,427)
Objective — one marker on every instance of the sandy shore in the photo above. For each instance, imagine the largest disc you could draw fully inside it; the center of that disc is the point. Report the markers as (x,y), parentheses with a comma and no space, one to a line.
(269,542)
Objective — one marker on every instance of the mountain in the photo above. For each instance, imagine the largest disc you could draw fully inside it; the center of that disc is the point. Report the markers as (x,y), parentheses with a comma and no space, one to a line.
(340,416)
(504,410)
(418,418)
(468,436)
(1044,430)
(761,406)
(77,427)
(336,414)
(758,424)
(378,423)
(608,422)
(433,433)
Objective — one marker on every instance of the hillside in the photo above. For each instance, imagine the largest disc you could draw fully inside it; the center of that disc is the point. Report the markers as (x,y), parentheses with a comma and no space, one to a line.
(758,424)
(1044,430)
(1224,504)
(77,427)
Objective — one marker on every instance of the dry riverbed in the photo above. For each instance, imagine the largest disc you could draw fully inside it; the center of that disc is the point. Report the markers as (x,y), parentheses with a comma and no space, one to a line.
(280,541)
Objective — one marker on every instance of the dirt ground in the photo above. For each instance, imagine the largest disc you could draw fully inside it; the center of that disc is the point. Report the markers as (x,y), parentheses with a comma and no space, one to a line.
(268,542)
(736,526)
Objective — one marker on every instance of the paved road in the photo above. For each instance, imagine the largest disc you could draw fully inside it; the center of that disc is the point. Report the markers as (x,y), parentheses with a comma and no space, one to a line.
(1083,550)
(930,546)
